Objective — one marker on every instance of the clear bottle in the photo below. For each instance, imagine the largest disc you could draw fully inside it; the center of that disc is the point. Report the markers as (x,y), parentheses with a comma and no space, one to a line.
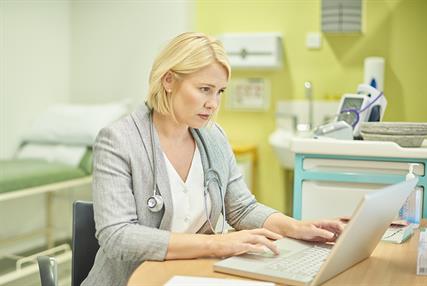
(409,211)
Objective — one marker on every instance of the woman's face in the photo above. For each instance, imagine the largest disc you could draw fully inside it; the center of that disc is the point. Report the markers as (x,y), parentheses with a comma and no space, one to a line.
(197,96)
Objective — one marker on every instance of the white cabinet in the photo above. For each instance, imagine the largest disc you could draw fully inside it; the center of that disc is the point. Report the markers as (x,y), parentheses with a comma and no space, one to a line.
(253,50)
(329,199)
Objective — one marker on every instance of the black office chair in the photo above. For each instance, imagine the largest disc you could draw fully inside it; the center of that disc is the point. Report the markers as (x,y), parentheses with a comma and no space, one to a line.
(48,270)
(84,247)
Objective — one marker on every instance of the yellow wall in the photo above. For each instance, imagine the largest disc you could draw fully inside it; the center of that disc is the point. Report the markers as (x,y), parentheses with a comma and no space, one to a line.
(392,29)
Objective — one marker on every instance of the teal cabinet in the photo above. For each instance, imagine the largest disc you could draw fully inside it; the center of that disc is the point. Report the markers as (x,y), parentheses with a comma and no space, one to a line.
(331,177)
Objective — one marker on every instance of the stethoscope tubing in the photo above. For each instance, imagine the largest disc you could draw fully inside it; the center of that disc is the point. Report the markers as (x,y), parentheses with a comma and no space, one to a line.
(155,203)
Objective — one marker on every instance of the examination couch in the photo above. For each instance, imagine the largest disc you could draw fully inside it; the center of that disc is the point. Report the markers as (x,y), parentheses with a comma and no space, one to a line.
(55,157)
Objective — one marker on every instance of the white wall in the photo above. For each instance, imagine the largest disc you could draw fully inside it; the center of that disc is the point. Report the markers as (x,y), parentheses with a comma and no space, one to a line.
(34,72)
(34,64)
(114,44)
(73,51)
(78,51)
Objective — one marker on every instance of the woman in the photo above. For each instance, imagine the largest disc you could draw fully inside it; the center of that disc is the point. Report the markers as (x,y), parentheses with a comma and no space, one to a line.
(163,175)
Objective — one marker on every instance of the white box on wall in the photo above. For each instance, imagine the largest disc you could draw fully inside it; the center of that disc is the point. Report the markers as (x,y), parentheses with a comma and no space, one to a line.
(248,94)
(253,50)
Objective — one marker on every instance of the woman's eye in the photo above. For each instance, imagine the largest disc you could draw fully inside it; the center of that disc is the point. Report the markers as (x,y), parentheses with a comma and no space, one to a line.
(205,89)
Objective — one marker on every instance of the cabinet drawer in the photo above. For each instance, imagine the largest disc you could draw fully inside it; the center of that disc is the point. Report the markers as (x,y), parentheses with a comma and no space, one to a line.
(325,199)
(322,199)
(361,166)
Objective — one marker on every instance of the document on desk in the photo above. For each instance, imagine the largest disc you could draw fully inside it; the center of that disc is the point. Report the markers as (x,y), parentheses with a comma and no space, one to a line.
(422,253)
(193,281)
(398,234)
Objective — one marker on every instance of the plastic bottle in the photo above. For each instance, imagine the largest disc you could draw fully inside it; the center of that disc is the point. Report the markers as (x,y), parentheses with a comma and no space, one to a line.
(411,174)
(409,211)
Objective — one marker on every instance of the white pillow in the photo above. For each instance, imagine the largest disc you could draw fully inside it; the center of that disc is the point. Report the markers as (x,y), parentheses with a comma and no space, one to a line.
(69,155)
(74,124)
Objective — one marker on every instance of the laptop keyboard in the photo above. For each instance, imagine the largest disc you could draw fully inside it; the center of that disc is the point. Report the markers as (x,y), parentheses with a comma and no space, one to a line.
(302,265)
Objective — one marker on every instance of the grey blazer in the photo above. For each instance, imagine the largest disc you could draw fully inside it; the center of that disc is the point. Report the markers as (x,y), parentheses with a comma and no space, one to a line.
(127,231)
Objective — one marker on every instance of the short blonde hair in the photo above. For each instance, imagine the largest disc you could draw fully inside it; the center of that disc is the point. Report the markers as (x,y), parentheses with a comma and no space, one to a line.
(185,54)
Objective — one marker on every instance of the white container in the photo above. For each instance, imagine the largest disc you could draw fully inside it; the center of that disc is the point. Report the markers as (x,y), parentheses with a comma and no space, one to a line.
(253,50)
(422,253)
(374,70)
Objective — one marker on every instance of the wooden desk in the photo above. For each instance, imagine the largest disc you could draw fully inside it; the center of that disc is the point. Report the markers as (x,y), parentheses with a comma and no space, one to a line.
(390,264)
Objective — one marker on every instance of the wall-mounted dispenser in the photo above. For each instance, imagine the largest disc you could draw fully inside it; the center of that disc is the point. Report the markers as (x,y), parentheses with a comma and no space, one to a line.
(342,16)
(253,50)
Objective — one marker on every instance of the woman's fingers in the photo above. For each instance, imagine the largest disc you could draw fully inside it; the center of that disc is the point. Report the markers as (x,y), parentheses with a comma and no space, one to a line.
(320,231)
(255,248)
(255,240)
(263,241)
(325,233)
(333,225)
(267,233)
(264,237)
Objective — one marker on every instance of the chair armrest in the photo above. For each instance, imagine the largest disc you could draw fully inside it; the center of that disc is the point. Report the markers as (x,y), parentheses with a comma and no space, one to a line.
(48,270)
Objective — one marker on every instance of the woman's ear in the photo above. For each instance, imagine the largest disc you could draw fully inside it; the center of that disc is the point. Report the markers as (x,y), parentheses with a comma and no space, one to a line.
(168,81)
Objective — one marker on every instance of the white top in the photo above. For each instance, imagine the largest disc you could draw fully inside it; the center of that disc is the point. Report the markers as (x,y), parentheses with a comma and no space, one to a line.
(356,148)
(189,212)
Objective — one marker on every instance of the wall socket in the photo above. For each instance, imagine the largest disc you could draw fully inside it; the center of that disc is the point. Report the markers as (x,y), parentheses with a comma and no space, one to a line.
(313,40)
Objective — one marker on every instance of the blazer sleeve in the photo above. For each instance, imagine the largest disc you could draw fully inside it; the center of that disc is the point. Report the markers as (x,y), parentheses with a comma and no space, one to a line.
(117,229)
(242,209)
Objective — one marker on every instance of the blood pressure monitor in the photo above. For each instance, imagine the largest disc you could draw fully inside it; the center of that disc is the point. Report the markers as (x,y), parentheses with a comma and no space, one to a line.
(350,102)
(366,105)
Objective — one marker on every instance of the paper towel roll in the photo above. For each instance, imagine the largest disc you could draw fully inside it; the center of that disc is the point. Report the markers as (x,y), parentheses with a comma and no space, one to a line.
(374,71)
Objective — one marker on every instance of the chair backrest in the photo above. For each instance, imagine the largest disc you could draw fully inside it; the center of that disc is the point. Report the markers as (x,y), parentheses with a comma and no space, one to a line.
(85,244)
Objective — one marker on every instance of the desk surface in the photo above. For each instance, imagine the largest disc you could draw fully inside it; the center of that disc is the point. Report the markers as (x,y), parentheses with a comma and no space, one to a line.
(389,264)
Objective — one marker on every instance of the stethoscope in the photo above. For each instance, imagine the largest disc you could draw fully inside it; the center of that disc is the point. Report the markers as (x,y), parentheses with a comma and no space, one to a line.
(155,203)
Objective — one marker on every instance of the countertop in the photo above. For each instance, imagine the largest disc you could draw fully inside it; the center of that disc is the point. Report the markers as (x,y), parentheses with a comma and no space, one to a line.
(356,148)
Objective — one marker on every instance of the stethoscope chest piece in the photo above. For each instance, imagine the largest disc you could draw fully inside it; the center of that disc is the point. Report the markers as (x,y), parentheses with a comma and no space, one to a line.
(155,203)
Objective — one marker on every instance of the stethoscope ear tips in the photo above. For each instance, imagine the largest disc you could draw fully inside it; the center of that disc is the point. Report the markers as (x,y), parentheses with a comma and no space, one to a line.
(155,203)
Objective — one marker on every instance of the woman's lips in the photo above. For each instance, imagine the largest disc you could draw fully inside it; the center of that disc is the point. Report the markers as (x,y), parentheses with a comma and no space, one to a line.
(204,116)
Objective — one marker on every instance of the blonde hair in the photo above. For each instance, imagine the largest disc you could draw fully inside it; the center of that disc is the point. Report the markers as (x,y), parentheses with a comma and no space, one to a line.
(185,54)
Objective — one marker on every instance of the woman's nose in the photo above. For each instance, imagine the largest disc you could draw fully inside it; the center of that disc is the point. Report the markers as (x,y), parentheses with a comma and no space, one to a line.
(212,103)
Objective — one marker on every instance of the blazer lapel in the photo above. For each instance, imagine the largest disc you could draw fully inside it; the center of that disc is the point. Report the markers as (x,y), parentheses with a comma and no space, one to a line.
(142,122)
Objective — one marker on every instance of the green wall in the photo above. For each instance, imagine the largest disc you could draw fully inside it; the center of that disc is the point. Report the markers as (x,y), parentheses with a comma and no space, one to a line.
(395,30)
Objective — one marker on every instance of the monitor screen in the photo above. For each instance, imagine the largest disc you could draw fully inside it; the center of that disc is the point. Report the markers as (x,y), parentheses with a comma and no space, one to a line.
(350,103)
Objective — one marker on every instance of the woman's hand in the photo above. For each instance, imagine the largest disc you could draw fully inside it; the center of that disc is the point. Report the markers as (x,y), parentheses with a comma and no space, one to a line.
(239,242)
(189,246)
(318,231)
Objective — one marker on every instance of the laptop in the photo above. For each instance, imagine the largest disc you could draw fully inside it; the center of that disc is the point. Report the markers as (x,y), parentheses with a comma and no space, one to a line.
(305,263)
